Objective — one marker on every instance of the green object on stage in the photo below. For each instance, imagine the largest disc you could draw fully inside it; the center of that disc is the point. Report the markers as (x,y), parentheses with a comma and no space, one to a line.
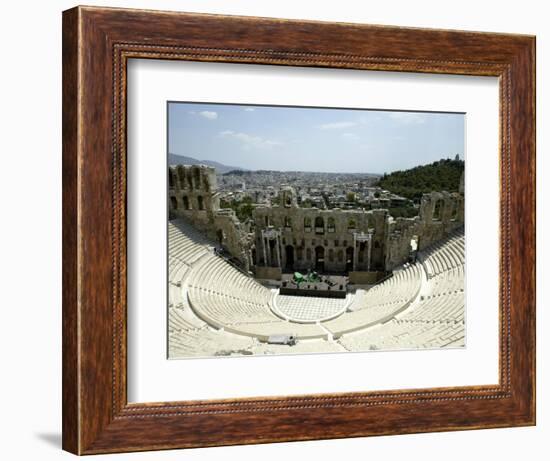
(298,277)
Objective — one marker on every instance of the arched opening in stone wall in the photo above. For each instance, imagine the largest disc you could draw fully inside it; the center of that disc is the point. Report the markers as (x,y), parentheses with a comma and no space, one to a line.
(174,203)
(352,225)
(349,259)
(197,178)
(331,224)
(289,257)
(331,255)
(273,253)
(170,179)
(288,222)
(454,213)
(288,199)
(185,202)
(362,249)
(181,176)
(438,208)
(308,254)
(307,224)
(319,259)
(200,202)
(319,225)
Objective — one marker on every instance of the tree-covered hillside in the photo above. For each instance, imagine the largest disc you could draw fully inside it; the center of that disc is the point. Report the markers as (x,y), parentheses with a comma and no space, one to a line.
(439,176)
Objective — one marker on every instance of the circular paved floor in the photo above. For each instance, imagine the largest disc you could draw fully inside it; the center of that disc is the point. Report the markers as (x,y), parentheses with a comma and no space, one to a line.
(305,309)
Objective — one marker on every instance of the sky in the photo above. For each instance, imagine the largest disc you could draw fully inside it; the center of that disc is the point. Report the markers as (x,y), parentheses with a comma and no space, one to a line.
(313,139)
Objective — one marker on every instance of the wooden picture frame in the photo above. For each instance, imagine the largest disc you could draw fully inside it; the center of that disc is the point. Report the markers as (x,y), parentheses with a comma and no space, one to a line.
(97,43)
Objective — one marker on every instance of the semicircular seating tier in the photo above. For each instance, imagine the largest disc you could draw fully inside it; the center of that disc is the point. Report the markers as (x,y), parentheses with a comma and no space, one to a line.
(188,334)
(437,318)
(226,298)
(216,309)
(444,255)
(380,303)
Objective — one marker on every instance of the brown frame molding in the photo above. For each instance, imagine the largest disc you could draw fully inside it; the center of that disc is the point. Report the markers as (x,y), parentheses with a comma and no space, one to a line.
(97,43)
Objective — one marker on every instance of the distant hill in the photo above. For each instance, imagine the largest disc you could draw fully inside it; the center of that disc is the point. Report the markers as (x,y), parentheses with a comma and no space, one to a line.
(174,159)
(243,172)
(443,175)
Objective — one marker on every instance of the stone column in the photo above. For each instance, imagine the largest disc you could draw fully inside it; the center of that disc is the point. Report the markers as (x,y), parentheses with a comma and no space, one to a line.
(369,243)
(283,257)
(263,248)
(355,251)
(268,251)
(278,244)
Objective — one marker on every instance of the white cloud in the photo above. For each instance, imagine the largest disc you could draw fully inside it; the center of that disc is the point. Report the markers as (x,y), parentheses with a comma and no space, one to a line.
(337,125)
(250,141)
(210,115)
(407,118)
(249,109)
(350,136)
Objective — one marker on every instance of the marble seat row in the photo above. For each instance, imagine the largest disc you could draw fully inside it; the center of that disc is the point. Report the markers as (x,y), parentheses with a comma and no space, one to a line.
(229,314)
(444,308)
(436,319)
(183,319)
(401,287)
(380,303)
(217,276)
(444,256)
(186,243)
(215,308)
(204,342)
(447,282)
(406,335)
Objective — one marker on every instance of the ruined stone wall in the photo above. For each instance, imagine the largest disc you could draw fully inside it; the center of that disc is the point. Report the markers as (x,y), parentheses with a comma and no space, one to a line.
(328,240)
(440,214)
(291,238)
(400,233)
(350,240)
(231,235)
(193,195)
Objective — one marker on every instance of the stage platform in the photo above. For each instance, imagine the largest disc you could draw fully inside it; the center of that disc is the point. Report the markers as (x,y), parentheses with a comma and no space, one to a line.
(329,286)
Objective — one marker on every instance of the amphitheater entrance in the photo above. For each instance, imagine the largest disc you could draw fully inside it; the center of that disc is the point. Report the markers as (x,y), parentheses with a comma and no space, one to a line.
(273,254)
(289,257)
(319,259)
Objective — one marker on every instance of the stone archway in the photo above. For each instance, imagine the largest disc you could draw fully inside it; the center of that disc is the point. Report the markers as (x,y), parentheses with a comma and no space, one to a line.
(349,259)
(320,259)
(289,257)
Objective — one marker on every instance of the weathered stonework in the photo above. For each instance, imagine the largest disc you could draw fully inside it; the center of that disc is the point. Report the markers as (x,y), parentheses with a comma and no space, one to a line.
(193,195)
(287,237)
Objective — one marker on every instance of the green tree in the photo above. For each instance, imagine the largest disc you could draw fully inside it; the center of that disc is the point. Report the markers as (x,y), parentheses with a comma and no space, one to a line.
(438,176)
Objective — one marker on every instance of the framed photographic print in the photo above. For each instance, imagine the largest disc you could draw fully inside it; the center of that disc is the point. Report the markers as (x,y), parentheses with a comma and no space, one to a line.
(282,230)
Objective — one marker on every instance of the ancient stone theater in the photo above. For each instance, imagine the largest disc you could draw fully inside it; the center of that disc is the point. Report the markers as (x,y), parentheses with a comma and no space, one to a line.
(294,279)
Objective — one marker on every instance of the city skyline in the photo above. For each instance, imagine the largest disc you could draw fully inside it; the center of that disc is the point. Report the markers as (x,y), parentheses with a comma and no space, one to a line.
(330,140)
